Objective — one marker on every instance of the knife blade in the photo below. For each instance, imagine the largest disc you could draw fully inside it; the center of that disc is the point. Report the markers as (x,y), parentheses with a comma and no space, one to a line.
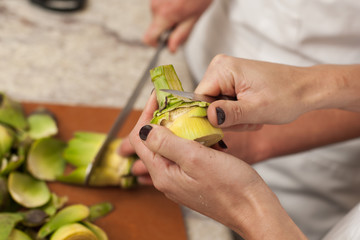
(120,120)
(190,96)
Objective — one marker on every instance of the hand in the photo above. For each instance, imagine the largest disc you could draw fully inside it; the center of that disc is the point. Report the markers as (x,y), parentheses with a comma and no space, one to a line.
(266,92)
(183,14)
(270,93)
(126,149)
(138,169)
(211,182)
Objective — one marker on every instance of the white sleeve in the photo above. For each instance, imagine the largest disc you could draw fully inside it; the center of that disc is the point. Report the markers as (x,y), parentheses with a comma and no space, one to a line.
(347,228)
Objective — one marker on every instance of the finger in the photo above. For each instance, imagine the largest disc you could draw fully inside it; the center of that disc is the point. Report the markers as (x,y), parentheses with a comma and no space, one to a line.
(147,114)
(162,142)
(141,150)
(180,34)
(218,78)
(125,149)
(139,168)
(144,119)
(227,114)
(156,28)
(145,180)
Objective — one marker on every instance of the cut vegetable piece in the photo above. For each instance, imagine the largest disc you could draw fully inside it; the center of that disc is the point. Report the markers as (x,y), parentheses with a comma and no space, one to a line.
(45,160)
(7,137)
(16,234)
(14,161)
(7,222)
(28,191)
(11,113)
(82,149)
(34,217)
(70,214)
(74,231)
(4,194)
(42,124)
(99,210)
(100,234)
(187,119)
(54,204)
(77,176)
(114,170)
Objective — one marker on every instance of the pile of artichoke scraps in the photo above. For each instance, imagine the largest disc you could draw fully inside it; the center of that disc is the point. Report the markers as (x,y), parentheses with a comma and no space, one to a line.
(30,156)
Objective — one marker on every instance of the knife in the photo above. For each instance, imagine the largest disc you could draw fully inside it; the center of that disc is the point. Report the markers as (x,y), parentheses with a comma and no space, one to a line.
(190,96)
(120,120)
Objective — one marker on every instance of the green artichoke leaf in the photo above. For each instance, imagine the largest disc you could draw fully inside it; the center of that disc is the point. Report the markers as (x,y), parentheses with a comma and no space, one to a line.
(7,222)
(28,191)
(11,113)
(7,138)
(42,124)
(45,158)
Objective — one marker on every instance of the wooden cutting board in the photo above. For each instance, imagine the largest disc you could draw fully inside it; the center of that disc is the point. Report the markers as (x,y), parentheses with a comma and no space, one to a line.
(140,213)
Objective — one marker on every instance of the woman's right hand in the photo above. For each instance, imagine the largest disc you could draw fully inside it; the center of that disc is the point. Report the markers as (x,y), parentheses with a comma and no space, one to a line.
(270,93)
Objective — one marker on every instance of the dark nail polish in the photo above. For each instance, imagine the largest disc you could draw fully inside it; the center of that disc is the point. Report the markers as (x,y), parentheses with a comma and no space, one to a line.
(144,132)
(222,144)
(220,116)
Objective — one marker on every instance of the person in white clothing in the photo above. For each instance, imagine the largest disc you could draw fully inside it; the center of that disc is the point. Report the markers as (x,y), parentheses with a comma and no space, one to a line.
(314,159)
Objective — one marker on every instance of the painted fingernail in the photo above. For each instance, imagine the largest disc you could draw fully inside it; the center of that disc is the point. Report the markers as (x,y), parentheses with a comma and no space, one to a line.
(220,116)
(144,132)
(152,91)
(222,144)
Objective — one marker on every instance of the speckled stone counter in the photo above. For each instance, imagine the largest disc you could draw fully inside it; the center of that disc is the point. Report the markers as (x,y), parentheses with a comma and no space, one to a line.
(93,57)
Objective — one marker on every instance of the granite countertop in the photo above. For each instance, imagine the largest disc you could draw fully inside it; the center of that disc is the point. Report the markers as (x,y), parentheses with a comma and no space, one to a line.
(93,57)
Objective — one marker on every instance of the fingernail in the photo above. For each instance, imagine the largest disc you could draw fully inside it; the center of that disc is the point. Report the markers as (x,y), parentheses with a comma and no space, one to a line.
(222,144)
(220,116)
(152,91)
(144,132)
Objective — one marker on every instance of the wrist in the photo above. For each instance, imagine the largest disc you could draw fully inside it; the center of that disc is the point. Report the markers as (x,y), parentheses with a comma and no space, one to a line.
(263,217)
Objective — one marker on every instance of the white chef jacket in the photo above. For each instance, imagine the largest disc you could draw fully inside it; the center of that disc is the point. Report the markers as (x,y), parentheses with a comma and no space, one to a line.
(317,187)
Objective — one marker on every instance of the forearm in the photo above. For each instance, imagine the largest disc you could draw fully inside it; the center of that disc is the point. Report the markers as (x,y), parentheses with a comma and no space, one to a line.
(318,87)
(330,86)
(311,130)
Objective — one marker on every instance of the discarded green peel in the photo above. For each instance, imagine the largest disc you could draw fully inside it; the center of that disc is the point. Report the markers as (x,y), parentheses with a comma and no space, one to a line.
(70,214)
(41,125)
(74,231)
(16,234)
(34,217)
(7,223)
(99,210)
(54,204)
(11,113)
(45,159)
(7,138)
(28,191)
(99,233)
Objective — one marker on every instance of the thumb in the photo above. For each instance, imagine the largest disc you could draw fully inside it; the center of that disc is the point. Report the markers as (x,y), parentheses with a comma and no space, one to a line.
(232,115)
